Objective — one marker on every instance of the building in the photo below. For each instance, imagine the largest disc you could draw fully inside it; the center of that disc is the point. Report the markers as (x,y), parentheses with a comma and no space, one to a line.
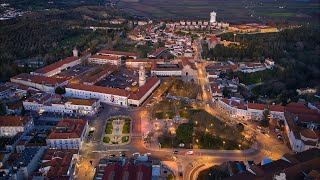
(57,164)
(104,94)
(56,104)
(116,171)
(104,59)
(59,66)
(302,127)
(213,41)
(158,53)
(305,165)
(107,70)
(21,165)
(68,134)
(136,63)
(118,54)
(11,125)
(142,76)
(44,83)
(5,92)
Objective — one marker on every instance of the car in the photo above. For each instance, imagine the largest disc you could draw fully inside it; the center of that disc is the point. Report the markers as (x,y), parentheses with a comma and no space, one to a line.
(148,154)
(122,154)
(263,132)
(189,152)
(175,152)
(136,154)
(259,127)
(245,124)
(180,174)
(112,155)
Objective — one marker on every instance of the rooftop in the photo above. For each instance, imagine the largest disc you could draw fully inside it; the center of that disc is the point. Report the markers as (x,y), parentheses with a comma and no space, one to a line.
(68,128)
(14,120)
(39,79)
(119,53)
(56,65)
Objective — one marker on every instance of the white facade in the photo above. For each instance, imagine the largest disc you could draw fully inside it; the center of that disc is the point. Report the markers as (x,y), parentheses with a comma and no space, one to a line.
(166,73)
(104,97)
(105,60)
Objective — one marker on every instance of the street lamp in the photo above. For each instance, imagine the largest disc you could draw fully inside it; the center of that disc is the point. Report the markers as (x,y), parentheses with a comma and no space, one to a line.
(234,37)
(239,146)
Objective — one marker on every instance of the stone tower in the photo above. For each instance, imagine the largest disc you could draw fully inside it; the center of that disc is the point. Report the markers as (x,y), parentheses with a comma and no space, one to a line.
(142,76)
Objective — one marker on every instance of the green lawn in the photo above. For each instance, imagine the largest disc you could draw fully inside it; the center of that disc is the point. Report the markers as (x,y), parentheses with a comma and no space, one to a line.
(109,128)
(125,139)
(126,127)
(184,114)
(106,139)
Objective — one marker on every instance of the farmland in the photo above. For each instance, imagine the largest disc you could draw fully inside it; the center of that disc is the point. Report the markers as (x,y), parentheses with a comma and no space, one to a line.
(233,11)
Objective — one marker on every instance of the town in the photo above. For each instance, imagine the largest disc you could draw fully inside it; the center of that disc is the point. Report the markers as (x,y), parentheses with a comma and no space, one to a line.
(168,114)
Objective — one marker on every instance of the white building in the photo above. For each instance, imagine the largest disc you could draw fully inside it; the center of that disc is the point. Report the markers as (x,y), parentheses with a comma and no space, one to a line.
(56,104)
(11,125)
(47,84)
(142,76)
(68,134)
(101,59)
(59,66)
(105,94)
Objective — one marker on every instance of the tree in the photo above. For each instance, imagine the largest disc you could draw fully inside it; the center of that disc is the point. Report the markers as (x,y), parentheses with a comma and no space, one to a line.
(60,90)
(184,132)
(240,127)
(265,118)
(170,177)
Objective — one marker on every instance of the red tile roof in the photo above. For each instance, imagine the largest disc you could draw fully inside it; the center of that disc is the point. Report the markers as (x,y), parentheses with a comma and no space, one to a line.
(119,53)
(109,58)
(68,128)
(308,133)
(144,60)
(39,79)
(14,120)
(158,51)
(137,95)
(257,106)
(128,171)
(276,108)
(58,162)
(57,65)
(83,102)
(99,89)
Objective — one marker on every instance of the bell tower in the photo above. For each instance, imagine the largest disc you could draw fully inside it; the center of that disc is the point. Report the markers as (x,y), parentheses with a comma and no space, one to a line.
(142,76)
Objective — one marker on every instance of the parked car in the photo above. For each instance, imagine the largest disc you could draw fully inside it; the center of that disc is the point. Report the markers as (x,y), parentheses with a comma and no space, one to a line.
(148,154)
(175,152)
(189,152)
(136,154)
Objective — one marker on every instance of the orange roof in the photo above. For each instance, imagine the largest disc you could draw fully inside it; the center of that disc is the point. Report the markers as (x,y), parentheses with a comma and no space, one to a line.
(158,51)
(119,53)
(308,133)
(137,95)
(83,102)
(277,108)
(144,60)
(99,89)
(14,120)
(68,128)
(58,162)
(57,65)
(109,58)
(105,72)
(39,79)
(257,106)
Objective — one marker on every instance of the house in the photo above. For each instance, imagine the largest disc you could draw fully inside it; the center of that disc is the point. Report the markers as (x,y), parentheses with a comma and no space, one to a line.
(5,91)
(57,164)
(68,134)
(11,125)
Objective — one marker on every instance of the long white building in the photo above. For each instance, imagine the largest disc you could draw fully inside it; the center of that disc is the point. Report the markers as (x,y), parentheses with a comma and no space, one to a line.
(103,59)
(57,104)
(47,84)
(11,125)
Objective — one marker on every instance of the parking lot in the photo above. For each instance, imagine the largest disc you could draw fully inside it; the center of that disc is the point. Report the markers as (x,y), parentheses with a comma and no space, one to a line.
(123,79)
(73,72)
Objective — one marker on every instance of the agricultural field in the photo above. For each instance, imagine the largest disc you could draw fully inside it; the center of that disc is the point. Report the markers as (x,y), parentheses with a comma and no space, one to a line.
(232,11)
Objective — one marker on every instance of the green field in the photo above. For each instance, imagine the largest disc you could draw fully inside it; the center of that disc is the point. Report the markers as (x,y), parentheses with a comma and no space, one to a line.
(230,10)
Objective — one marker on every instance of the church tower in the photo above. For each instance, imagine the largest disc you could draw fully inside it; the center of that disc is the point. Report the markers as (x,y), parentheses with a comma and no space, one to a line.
(142,76)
